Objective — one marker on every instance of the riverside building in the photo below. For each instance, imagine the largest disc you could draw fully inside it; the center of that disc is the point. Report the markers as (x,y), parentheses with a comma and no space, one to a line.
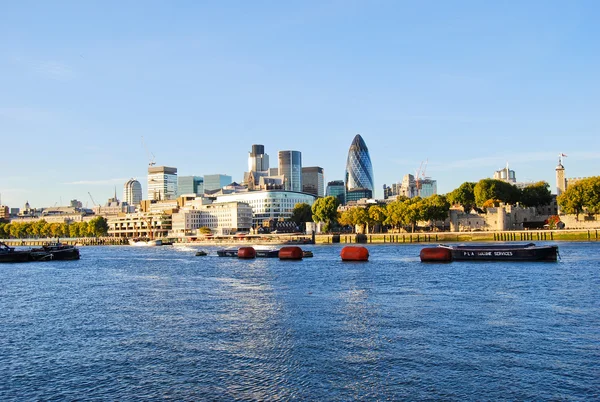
(270,204)
(313,181)
(222,218)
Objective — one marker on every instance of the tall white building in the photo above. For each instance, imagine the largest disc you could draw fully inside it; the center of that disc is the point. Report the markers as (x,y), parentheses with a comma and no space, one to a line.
(258,160)
(162,183)
(132,192)
(222,218)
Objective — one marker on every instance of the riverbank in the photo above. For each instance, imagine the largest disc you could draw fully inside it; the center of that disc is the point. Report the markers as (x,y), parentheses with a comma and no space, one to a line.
(375,238)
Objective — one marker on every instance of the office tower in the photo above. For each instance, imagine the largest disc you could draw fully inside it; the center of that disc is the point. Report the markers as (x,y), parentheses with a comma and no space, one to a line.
(290,167)
(190,185)
(132,192)
(337,189)
(359,171)
(214,182)
(427,187)
(162,183)
(258,161)
(313,181)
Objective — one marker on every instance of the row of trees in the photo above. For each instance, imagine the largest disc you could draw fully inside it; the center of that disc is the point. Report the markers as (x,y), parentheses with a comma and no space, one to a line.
(583,196)
(96,227)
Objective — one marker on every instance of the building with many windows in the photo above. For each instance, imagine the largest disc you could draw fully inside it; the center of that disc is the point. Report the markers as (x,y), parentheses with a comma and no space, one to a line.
(132,192)
(214,182)
(190,185)
(290,167)
(359,171)
(336,188)
(162,183)
(269,205)
(222,218)
(313,181)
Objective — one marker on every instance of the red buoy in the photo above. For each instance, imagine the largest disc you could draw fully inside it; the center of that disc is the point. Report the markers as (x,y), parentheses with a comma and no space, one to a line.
(246,252)
(435,254)
(290,253)
(354,253)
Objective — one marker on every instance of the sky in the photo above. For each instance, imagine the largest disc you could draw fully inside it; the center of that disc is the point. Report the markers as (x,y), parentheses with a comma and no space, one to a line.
(467,86)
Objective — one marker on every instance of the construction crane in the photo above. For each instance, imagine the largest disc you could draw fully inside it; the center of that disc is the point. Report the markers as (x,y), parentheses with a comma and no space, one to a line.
(420,173)
(92,198)
(151,156)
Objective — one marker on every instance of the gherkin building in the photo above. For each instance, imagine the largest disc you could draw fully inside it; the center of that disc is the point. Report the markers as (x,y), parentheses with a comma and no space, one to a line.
(359,171)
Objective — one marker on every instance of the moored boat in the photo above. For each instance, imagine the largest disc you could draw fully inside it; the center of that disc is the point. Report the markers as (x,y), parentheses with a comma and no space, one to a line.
(9,254)
(227,252)
(489,252)
(58,251)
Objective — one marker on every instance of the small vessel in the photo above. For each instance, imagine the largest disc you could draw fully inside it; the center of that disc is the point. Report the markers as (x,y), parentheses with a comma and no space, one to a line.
(145,242)
(267,253)
(227,252)
(489,252)
(201,253)
(307,253)
(9,254)
(58,251)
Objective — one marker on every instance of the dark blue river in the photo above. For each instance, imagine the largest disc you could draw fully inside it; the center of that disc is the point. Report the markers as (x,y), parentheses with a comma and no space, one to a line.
(130,323)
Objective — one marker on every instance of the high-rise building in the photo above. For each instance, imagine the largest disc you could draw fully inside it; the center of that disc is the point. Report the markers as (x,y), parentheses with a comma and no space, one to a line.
(162,183)
(337,189)
(290,167)
(258,161)
(313,181)
(190,185)
(427,187)
(214,182)
(132,192)
(359,171)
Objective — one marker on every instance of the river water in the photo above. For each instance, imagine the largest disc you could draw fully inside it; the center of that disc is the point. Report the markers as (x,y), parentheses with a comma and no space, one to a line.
(130,323)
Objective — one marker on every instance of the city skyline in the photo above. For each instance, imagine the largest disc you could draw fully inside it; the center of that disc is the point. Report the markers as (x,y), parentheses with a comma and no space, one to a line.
(466,86)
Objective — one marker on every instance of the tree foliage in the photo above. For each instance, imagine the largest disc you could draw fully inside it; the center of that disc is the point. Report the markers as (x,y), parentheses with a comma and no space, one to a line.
(536,195)
(464,196)
(492,189)
(325,210)
(583,196)
(301,214)
(97,227)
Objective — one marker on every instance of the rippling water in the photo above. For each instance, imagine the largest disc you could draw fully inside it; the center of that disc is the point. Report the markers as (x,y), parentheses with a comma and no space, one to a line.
(128,323)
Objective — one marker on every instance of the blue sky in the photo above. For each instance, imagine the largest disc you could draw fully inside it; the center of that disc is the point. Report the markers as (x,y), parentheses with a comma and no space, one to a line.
(466,85)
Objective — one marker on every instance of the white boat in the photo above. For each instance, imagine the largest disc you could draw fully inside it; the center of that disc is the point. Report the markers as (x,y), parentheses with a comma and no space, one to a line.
(141,242)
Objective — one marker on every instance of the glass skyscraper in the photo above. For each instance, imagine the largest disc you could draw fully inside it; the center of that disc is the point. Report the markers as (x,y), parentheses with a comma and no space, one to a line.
(290,166)
(213,182)
(190,185)
(132,192)
(162,183)
(359,170)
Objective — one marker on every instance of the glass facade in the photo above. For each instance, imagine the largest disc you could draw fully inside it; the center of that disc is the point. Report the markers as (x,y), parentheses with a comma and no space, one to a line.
(313,181)
(337,189)
(162,183)
(214,182)
(290,166)
(190,185)
(359,171)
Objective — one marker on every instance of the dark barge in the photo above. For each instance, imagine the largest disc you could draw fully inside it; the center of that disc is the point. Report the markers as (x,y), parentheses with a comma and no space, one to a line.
(489,252)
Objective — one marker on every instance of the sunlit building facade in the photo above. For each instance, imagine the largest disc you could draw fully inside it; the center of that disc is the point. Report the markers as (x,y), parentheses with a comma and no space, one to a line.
(290,167)
(132,192)
(162,183)
(359,170)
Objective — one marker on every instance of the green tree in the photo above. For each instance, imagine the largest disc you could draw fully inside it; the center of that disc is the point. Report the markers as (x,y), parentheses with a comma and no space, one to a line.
(4,230)
(492,189)
(377,215)
(536,195)
(98,226)
(435,208)
(360,217)
(204,230)
(325,210)
(464,196)
(582,196)
(37,228)
(301,214)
